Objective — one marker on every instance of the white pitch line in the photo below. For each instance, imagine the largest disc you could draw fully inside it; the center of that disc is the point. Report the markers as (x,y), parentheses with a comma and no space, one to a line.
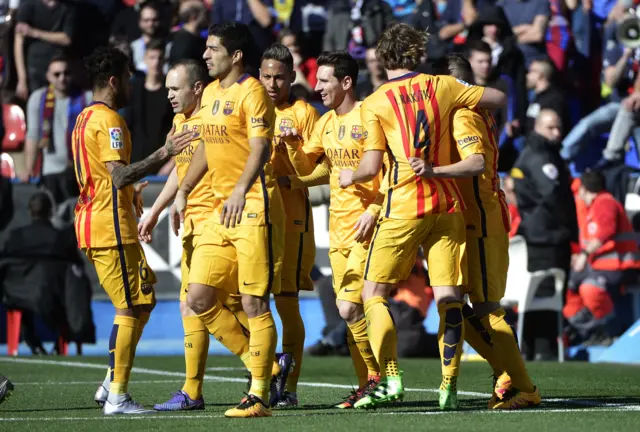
(43,383)
(225,369)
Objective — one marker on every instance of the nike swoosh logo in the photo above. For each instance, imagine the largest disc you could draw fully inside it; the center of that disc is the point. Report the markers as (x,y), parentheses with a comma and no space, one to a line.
(247,284)
(204,106)
(348,290)
(327,133)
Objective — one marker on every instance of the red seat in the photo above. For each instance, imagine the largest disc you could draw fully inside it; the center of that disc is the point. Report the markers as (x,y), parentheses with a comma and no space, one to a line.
(15,127)
(7,167)
(14,321)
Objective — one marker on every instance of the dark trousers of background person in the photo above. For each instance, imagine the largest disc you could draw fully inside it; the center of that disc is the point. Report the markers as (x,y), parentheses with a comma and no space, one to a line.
(62,186)
(541,327)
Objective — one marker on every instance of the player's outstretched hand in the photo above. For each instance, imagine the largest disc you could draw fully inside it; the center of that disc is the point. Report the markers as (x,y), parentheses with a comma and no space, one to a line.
(176,142)
(421,168)
(180,203)
(137,197)
(146,226)
(291,137)
(232,209)
(346,178)
(174,219)
(364,227)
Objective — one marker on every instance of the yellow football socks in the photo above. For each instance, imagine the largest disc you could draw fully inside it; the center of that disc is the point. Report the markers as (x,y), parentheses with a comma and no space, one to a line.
(479,337)
(507,349)
(292,335)
(382,335)
(224,326)
(359,365)
(143,319)
(450,340)
(361,339)
(196,348)
(122,343)
(263,352)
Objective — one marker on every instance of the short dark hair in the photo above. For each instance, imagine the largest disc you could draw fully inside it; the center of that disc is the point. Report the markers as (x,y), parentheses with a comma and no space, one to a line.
(155,44)
(343,64)
(593,181)
(195,70)
(40,206)
(479,46)
(279,53)
(150,5)
(106,62)
(234,36)
(459,67)
(59,57)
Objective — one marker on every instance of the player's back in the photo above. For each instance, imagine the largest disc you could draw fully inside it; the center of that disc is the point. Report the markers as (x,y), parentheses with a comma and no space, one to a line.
(201,199)
(104,215)
(409,116)
(474,132)
(340,139)
(230,118)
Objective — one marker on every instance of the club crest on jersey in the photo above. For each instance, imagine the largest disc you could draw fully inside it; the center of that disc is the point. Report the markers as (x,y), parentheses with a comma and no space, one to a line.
(356,132)
(228,108)
(285,124)
(115,136)
(216,107)
(341,132)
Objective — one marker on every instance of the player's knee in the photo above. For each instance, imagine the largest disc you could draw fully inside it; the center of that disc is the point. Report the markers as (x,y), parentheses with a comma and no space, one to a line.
(255,306)
(200,299)
(483,309)
(350,312)
(185,310)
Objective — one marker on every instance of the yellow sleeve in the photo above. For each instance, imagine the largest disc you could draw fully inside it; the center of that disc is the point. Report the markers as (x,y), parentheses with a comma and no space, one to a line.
(461,93)
(260,115)
(320,175)
(469,132)
(305,158)
(374,138)
(113,139)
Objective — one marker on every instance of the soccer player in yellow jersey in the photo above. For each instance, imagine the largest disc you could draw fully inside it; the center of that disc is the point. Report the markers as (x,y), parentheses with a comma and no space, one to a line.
(475,170)
(277,75)
(409,117)
(247,226)
(337,143)
(105,221)
(185,83)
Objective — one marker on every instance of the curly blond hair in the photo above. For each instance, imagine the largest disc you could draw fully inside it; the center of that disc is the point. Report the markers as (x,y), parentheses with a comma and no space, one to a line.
(401,47)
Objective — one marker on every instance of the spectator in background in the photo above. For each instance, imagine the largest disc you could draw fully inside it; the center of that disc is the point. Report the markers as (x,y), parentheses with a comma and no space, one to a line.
(356,25)
(547,95)
(548,220)
(126,22)
(373,78)
(187,42)
(620,72)
(508,187)
(458,16)
(427,18)
(39,241)
(150,27)
(304,67)
(43,28)
(608,259)
(529,19)
(559,38)
(51,117)
(253,13)
(403,10)
(150,114)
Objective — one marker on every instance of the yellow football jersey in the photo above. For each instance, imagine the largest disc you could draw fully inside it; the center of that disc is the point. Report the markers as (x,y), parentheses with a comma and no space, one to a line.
(409,116)
(201,202)
(230,118)
(104,215)
(341,139)
(475,133)
(302,116)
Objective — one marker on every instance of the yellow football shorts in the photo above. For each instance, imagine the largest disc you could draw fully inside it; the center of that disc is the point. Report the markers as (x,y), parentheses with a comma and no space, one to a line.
(256,251)
(124,274)
(299,257)
(395,245)
(487,266)
(347,268)
(227,295)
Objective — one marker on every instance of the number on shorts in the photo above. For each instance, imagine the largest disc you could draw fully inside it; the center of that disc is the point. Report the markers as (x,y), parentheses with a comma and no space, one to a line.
(144,271)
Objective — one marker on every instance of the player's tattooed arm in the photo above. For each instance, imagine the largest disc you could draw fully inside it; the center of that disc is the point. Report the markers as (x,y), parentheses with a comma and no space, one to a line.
(123,175)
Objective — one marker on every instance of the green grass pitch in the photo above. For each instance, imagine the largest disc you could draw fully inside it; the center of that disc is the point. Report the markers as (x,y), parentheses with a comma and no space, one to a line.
(56,394)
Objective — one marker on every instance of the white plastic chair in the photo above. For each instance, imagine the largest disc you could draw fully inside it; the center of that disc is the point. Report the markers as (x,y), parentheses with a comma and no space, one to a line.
(523,285)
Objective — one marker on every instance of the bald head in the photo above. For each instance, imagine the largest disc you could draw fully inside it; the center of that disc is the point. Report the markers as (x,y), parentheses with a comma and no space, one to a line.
(549,125)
